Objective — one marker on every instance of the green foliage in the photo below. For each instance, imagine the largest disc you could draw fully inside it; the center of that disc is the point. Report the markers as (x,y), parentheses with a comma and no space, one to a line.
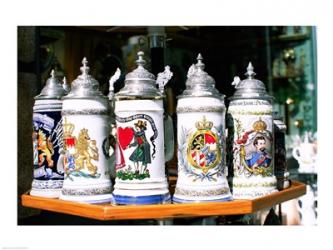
(128,175)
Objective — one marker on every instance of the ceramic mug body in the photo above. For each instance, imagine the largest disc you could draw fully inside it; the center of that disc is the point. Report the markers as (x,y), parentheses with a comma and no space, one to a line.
(47,149)
(251,135)
(86,161)
(140,158)
(201,150)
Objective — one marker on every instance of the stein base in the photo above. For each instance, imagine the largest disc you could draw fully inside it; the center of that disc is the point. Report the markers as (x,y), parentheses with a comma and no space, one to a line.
(47,193)
(97,199)
(178,200)
(142,200)
(253,187)
(252,194)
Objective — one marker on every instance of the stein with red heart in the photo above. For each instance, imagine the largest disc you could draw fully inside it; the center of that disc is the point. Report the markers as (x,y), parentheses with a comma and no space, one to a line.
(140,156)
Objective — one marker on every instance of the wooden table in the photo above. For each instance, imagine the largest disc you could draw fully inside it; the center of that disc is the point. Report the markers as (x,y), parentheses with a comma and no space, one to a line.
(164,211)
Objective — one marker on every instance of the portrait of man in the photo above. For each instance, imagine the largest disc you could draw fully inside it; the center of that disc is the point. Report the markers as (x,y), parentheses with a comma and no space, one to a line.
(260,158)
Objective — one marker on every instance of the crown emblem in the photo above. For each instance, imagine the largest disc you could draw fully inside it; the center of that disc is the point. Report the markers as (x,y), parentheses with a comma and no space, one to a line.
(68,128)
(259,125)
(204,124)
(84,131)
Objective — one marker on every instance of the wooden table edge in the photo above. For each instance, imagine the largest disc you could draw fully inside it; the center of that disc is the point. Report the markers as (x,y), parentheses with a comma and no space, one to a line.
(164,211)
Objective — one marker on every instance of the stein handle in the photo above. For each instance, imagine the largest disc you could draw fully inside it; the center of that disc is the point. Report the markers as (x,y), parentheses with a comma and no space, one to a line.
(112,150)
(168,138)
(162,79)
(296,153)
(112,80)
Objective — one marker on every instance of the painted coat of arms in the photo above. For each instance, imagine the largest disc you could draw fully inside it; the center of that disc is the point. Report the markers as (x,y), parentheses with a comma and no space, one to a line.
(203,148)
(47,146)
(81,151)
(199,151)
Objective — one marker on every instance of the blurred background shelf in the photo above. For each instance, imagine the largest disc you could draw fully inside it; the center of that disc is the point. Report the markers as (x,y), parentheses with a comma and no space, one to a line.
(164,211)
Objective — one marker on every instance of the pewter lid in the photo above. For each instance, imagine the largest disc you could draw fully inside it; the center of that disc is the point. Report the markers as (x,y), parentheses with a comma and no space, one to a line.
(85,86)
(140,83)
(52,89)
(250,87)
(199,83)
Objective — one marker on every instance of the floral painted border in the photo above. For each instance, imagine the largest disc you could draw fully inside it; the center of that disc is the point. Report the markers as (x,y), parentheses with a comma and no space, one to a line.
(199,109)
(88,191)
(222,191)
(243,112)
(254,184)
(49,184)
(85,112)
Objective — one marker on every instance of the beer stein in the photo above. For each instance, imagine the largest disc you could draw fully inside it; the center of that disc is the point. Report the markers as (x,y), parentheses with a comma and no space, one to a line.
(140,156)
(48,140)
(201,140)
(250,132)
(86,128)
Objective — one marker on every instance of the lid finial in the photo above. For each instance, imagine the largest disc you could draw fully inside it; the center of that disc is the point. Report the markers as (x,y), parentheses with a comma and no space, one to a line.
(200,65)
(250,73)
(140,62)
(84,69)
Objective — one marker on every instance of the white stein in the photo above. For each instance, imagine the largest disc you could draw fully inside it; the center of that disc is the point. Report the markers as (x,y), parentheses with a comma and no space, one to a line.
(201,140)
(47,139)
(305,155)
(251,139)
(140,157)
(86,128)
